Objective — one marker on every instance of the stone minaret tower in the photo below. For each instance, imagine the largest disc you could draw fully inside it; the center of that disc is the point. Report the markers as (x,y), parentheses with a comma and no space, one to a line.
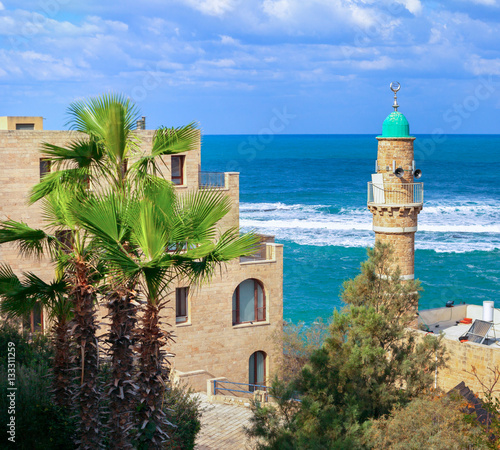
(394,198)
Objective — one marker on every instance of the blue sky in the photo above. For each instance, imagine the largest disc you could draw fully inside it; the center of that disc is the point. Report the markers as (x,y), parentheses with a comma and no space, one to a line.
(258,66)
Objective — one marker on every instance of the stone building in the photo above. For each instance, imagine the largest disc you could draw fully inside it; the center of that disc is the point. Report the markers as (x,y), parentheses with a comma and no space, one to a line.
(394,198)
(222,329)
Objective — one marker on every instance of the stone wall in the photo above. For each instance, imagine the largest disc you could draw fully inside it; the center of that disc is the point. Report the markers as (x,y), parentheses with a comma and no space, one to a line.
(208,343)
(395,220)
(403,245)
(464,356)
(399,150)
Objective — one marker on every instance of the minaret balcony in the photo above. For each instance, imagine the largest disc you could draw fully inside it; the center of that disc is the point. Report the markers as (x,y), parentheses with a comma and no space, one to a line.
(409,195)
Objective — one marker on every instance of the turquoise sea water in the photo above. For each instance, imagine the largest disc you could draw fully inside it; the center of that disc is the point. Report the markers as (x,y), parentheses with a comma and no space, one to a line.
(310,192)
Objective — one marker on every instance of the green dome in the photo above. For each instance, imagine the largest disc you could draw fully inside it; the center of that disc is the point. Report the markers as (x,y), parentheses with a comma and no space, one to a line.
(396,125)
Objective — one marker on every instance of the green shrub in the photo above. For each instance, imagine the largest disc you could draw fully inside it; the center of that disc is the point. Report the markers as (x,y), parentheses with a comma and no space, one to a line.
(40,424)
(30,352)
(436,422)
(183,410)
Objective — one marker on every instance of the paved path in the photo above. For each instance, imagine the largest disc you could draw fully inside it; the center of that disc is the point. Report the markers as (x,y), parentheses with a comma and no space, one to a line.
(222,426)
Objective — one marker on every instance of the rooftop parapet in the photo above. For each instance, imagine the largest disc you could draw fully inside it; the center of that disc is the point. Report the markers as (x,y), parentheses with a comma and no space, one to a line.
(21,123)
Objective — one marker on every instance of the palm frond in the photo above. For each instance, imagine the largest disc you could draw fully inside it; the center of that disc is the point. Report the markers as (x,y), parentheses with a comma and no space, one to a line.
(170,141)
(102,216)
(155,281)
(18,298)
(200,211)
(79,153)
(31,241)
(167,141)
(201,262)
(9,282)
(149,231)
(109,119)
(86,116)
(76,180)
(57,208)
(105,218)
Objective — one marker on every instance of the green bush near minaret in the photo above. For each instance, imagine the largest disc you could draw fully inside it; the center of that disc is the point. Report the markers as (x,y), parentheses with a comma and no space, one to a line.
(396,125)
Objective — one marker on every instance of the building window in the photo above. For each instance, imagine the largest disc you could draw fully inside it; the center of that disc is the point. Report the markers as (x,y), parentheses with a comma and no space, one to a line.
(249,302)
(178,170)
(44,167)
(181,304)
(25,126)
(257,370)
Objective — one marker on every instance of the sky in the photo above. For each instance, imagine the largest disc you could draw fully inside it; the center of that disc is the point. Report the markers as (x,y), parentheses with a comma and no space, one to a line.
(258,66)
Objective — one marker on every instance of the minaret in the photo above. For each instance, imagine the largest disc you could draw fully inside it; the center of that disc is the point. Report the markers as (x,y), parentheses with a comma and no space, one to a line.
(394,198)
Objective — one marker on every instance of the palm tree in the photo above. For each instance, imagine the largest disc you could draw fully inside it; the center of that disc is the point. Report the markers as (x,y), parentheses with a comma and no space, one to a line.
(162,239)
(20,297)
(167,238)
(102,153)
(68,248)
(99,157)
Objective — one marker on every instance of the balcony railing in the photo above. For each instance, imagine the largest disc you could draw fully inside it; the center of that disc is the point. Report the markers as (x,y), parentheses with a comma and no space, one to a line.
(215,180)
(223,387)
(245,390)
(396,194)
(263,251)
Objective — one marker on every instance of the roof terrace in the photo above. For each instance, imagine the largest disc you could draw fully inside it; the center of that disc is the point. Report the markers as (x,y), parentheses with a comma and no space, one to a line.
(450,321)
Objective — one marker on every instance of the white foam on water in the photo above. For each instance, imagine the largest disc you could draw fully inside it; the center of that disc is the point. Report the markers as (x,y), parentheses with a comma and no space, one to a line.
(443,227)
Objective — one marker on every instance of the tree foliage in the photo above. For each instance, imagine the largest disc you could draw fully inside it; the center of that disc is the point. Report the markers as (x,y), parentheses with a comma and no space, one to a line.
(298,341)
(117,230)
(436,422)
(370,362)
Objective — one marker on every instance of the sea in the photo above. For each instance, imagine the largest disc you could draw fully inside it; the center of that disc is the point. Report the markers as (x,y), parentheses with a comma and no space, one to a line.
(310,192)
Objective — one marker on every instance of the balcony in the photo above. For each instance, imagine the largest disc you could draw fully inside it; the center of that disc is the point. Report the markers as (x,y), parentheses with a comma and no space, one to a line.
(396,194)
(265,251)
(211,180)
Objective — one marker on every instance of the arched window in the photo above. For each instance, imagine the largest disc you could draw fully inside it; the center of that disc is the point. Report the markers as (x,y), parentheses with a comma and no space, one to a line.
(249,302)
(257,370)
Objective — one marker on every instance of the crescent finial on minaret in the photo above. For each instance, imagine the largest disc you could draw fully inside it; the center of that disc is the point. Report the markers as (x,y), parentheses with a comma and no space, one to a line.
(395,87)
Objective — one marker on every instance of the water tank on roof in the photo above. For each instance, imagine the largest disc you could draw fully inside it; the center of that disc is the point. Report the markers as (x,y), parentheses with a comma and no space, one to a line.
(488,308)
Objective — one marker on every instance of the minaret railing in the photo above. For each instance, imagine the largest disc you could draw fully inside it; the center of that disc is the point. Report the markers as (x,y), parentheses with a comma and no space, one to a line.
(397,194)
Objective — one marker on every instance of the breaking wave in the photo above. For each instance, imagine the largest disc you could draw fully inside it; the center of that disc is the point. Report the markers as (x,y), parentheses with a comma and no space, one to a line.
(443,227)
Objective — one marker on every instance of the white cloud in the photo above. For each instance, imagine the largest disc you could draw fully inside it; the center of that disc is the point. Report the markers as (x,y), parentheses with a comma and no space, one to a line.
(482,66)
(222,63)
(326,17)
(40,66)
(414,6)
(228,40)
(212,7)
(377,64)
(281,9)
(1,6)
(156,25)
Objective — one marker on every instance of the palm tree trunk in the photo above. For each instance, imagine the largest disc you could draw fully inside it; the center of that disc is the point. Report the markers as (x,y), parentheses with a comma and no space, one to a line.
(88,360)
(152,378)
(121,389)
(62,379)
